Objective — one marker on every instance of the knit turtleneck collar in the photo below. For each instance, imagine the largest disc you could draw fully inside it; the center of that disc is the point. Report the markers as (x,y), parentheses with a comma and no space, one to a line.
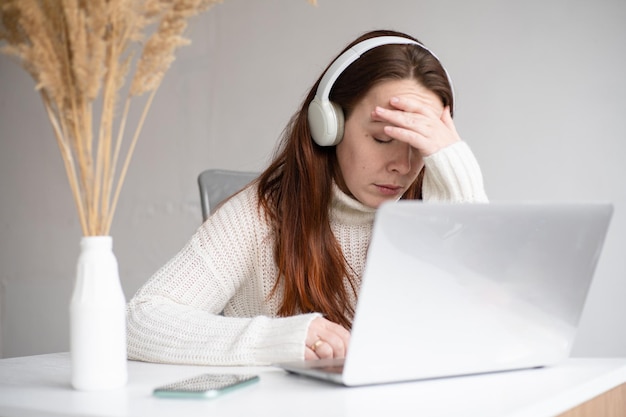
(347,210)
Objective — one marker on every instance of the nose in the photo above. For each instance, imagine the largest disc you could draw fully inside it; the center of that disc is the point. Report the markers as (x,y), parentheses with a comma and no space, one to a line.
(401,158)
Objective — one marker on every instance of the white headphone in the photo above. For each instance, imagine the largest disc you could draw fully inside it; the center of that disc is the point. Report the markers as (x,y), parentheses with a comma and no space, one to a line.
(325,117)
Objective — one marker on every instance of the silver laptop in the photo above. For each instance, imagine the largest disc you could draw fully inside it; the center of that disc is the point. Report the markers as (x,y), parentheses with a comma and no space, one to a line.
(458,289)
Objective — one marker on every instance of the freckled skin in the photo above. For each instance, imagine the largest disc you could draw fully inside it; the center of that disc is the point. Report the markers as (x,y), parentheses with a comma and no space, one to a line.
(375,166)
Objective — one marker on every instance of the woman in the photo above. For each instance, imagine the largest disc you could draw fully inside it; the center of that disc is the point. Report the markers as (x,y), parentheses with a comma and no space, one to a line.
(274,274)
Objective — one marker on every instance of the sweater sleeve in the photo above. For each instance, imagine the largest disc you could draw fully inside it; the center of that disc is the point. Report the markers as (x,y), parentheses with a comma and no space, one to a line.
(176,316)
(453,174)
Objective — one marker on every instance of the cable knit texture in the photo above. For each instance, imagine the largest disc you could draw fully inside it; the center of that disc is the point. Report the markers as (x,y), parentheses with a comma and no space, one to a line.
(453,176)
(211,305)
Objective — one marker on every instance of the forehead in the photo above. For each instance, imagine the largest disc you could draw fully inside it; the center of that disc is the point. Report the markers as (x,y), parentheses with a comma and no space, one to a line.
(381,93)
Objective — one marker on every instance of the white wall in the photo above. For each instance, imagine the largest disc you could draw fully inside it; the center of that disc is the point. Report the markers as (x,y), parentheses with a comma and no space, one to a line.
(541,100)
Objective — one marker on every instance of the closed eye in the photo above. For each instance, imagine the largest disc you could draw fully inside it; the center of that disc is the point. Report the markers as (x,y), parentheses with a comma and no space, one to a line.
(379,140)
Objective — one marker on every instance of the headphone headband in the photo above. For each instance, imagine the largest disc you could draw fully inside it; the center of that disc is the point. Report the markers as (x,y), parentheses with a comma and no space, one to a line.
(325,117)
(349,56)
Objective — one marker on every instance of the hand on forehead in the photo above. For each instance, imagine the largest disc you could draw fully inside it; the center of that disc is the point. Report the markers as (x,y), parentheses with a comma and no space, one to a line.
(405,95)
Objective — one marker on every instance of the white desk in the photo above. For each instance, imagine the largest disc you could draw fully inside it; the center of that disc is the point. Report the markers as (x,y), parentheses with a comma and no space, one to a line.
(39,386)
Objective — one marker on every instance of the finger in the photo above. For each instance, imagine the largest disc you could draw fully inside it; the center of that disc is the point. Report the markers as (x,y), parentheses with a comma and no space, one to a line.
(324,350)
(411,128)
(446,118)
(335,342)
(318,350)
(406,107)
(339,338)
(420,105)
(309,355)
(330,344)
(412,121)
(324,332)
(427,135)
(417,140)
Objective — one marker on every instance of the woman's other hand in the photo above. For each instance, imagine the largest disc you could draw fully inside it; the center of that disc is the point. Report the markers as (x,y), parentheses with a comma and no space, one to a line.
(326,339)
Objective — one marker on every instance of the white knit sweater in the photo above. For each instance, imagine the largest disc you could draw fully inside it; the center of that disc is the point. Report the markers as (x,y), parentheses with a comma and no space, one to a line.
(228,267)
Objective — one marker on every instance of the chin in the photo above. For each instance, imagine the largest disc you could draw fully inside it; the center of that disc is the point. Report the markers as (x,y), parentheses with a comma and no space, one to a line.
(389,199)
(375,203)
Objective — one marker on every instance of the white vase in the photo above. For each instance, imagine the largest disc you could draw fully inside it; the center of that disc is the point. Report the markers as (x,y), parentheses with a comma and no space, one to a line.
(98,319)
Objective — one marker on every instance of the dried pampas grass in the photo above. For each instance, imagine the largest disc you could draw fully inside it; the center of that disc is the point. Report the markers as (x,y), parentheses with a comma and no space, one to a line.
(80,54)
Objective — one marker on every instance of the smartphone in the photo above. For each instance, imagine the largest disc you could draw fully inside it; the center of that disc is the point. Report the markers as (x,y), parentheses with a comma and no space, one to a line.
(205,386)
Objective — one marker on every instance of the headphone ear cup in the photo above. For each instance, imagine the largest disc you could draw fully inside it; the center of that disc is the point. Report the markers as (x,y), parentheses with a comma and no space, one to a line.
(338,111)
(325,122)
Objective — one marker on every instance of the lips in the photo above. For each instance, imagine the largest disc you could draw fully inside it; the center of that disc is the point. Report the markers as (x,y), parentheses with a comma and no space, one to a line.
(388,189)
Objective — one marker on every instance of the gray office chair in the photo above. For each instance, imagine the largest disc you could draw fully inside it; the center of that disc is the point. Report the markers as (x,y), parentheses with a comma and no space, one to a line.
(216,185)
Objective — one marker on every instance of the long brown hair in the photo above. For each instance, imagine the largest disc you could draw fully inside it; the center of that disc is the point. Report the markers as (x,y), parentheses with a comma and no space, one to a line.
(295,190)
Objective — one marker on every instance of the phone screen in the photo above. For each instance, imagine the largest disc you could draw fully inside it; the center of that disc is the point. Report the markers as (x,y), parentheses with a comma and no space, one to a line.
(205,385)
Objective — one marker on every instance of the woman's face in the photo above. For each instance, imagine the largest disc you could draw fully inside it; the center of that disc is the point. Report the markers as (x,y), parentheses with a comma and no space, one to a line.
(374,167)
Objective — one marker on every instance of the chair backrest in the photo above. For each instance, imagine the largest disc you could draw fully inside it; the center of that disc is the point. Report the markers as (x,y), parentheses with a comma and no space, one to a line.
(216,185)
